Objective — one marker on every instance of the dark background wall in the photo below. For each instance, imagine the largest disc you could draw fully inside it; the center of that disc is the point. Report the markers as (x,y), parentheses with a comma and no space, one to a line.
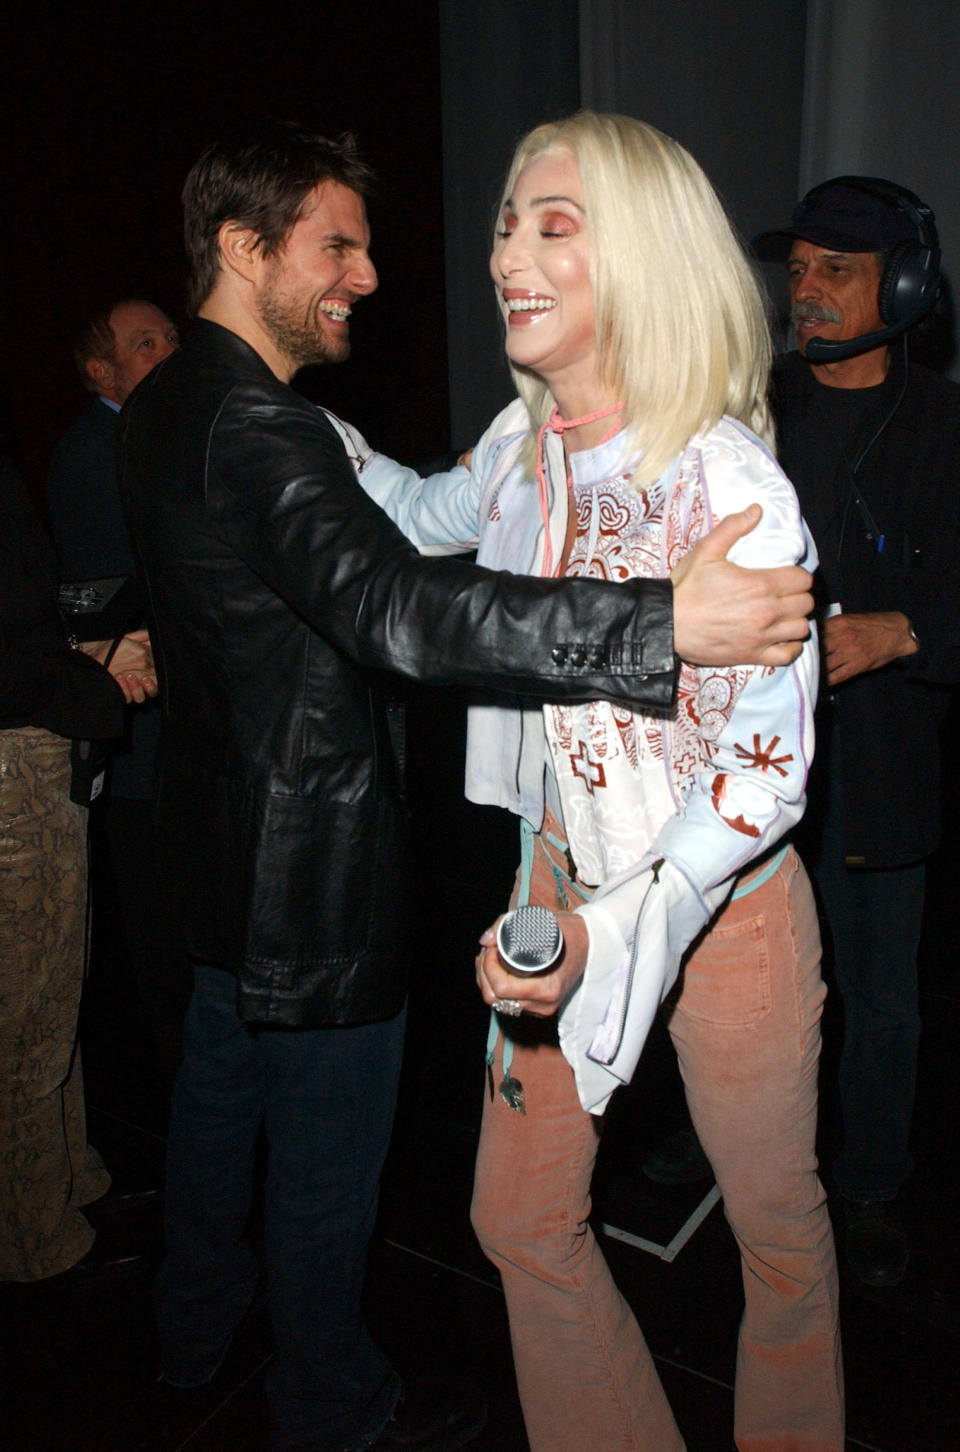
(725,80)
(108,105)
(505,70)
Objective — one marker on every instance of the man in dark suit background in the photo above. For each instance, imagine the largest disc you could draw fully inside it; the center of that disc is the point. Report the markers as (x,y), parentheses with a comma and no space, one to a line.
(871,441)
(117,348)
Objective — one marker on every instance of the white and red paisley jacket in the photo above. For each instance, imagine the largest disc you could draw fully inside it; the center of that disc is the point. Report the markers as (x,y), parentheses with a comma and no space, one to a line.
(661,812)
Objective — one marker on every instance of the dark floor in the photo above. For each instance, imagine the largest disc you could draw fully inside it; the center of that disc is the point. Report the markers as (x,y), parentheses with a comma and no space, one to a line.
(79,1365)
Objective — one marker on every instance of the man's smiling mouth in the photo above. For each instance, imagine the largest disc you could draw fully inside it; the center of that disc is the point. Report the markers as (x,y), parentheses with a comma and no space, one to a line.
(339,311)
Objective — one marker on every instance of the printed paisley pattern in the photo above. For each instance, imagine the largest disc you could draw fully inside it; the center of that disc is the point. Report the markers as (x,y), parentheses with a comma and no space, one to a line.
(609,761)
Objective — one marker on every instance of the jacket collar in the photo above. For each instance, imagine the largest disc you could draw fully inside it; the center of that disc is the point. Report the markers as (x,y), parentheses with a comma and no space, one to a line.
(207,340)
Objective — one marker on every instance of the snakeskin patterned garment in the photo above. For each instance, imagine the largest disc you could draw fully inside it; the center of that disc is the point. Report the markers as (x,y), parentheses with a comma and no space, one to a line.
(47,1170)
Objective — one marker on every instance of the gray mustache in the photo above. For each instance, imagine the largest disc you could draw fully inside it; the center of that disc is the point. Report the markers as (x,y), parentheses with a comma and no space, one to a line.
(813,313)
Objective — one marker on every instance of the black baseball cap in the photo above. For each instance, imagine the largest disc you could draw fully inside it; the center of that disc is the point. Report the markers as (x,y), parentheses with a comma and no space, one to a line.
(846,218)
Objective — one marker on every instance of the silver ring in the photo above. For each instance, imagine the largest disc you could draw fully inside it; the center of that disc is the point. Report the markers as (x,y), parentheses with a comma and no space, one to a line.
(509,1006)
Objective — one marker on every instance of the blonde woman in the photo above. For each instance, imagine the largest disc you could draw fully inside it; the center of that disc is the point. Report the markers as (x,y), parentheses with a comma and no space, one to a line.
(638,344)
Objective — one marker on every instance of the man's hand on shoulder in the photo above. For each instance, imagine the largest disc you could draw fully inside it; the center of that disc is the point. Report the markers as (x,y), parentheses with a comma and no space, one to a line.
(854,644)
(724,614)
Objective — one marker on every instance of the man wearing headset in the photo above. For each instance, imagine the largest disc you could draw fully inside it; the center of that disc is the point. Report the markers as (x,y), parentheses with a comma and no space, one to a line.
(871,441)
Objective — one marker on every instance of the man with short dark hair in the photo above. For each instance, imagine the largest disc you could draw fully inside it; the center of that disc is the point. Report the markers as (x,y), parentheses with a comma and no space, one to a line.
(278,589)
(871,442)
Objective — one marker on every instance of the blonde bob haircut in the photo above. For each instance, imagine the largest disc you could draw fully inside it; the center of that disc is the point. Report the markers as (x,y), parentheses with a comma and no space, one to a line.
(680,321)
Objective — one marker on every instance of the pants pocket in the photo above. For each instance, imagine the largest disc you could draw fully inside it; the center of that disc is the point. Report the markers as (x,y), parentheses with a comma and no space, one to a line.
(726,980)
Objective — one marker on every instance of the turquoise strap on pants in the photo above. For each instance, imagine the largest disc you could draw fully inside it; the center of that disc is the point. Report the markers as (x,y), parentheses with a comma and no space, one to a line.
(772,866)
(565,886)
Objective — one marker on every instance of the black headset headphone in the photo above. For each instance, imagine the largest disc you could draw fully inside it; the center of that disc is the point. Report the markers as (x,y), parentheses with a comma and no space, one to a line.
(911,280)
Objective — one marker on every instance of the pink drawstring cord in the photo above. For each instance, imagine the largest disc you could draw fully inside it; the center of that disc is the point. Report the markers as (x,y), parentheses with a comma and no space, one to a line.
(560,425)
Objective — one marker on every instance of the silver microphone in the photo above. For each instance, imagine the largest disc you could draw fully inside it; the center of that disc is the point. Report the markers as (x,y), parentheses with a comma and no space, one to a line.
(529,939)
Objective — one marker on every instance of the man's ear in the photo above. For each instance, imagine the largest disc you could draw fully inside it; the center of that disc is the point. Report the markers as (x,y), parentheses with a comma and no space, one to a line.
(240,250)
(101,374)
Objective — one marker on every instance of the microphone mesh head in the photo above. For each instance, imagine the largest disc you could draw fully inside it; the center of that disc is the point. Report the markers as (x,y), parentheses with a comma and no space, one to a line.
(529,939)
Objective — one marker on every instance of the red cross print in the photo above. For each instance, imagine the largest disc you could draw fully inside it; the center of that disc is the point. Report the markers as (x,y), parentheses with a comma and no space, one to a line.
(593,774)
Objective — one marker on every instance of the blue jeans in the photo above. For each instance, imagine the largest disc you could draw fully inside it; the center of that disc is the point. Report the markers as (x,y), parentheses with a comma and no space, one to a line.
(326,1098)
(875,917)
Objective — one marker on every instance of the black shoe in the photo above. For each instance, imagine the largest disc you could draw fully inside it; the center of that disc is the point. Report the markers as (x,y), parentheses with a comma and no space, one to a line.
(189,1374)
(115,1201)
(100,1258)
(434,1416)
(677,1160)
(877,1249)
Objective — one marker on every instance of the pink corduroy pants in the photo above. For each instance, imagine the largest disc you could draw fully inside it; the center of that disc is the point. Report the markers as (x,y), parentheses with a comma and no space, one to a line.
(745,1022)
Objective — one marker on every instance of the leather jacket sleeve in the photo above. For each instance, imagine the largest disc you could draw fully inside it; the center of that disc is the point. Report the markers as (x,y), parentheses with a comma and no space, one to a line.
(282,495)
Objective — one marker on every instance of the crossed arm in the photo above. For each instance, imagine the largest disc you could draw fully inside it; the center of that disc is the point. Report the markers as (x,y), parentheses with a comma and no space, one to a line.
(131,665)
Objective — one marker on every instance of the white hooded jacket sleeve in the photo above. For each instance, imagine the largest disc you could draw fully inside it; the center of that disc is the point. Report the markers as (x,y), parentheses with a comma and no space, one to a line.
(756,732)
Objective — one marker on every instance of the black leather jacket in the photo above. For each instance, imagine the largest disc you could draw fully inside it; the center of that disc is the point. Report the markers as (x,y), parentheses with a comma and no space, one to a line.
(277,590)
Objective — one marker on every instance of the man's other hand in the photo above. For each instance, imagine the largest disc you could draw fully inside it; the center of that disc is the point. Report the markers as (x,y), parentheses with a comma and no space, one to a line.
(131,665)
(854,644)
(724,614)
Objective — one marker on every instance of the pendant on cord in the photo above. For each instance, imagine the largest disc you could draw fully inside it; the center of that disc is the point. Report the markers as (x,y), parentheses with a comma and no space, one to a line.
(511,1092)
